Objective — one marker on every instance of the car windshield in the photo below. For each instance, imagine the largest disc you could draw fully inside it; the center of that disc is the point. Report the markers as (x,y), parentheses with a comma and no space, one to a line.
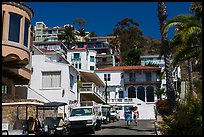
(81,112)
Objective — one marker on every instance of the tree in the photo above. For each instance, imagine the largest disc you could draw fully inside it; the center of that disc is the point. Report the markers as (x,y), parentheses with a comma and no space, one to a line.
(82,23)
(187,40)
(69,36)
(92,34)
(171,97)
(196,7)
(129,35)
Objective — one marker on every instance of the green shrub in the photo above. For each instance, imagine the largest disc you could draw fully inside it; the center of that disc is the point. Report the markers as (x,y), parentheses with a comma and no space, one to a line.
(187,120)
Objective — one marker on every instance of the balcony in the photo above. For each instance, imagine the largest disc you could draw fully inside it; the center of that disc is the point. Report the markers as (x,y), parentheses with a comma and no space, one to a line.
(90,91)
(141,81)
(76,59)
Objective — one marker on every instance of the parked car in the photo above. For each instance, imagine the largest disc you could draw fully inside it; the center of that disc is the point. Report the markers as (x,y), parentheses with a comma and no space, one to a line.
(114,115)
(86,118)
(106,117)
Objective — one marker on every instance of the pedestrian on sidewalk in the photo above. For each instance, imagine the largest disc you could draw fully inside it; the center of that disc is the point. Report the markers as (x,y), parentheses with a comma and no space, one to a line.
(128,115)
(135,115)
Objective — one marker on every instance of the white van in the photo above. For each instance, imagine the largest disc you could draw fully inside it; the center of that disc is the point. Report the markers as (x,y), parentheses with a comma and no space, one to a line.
(86,117)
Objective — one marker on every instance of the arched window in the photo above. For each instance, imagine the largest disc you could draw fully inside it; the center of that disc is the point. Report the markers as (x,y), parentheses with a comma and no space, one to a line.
(131,92)
(141,93)
(150,94)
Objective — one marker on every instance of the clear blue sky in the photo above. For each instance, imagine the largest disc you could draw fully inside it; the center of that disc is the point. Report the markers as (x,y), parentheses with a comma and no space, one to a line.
(101,17)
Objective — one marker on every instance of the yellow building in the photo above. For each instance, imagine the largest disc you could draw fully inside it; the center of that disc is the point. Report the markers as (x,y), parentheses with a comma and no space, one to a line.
(16,47)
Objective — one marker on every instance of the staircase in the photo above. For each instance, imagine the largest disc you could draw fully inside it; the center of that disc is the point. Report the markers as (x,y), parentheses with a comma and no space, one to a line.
(146,110)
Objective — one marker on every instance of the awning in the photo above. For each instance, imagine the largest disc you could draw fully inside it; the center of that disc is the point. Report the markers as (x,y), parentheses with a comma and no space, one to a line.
(92,77)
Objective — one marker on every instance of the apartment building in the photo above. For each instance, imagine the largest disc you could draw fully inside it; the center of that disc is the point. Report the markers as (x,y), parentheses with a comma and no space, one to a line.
(132,86)
(52,45)
(105,56)
(42,32)
(82,59)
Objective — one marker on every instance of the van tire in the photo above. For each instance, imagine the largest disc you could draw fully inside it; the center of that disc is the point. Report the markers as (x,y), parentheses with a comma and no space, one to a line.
(93,130)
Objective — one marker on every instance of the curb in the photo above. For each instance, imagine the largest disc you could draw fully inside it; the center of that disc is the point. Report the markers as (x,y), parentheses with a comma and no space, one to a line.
(157,129)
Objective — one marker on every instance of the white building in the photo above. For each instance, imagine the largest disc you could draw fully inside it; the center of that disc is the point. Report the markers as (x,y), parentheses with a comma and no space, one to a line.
(82,59)
(156,59)
(132,86)
(53,79)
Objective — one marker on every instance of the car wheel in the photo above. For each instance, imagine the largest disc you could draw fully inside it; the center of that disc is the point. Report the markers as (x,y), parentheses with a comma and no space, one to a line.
(93,130)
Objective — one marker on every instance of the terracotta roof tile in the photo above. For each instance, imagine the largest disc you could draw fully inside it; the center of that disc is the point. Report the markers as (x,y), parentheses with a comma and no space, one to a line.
(129,68)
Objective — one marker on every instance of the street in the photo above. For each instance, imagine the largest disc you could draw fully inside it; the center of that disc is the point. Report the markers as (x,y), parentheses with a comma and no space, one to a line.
(145,127)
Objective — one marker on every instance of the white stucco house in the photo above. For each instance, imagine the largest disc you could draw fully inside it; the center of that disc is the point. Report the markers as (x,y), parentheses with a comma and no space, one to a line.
(132,86)
(159,60)
(53,79)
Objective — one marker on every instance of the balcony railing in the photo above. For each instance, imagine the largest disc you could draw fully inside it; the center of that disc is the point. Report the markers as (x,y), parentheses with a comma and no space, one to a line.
(91,87)
(121,100)
(76,59)
(142,80)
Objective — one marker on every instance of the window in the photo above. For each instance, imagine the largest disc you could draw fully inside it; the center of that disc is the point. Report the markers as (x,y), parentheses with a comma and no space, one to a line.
(131,92)
(107,77)
(141,93)
(5,88)
(2,20)
(91,58)
(150,94)
(76,65)
(14,27)
(27,24)
(76,55)
(131,77)
(38,38)
(91,67)
(71,81)
(51,79)
(79,65)
(45,32)
(39,25)
(38,31)
(148,76)
(121,94)
(80,45)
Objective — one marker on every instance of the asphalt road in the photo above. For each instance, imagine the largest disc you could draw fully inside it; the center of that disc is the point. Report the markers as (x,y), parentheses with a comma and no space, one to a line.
(144,127)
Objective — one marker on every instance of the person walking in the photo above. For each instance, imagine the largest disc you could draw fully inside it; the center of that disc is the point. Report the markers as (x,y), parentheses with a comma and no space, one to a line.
(135,115)
(128,115)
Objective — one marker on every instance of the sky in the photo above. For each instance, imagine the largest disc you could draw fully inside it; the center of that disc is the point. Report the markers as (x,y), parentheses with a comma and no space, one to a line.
(101,17)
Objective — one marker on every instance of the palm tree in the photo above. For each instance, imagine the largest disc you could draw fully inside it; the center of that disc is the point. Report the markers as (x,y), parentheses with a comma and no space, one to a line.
(69,36)
(186,42)
(162,14)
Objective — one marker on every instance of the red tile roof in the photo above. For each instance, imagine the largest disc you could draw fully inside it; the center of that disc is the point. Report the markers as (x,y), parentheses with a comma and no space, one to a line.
(128,68)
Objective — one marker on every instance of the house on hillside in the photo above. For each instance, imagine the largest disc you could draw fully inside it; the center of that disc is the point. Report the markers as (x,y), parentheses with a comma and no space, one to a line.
(156,59)
(132,86)
(53,79)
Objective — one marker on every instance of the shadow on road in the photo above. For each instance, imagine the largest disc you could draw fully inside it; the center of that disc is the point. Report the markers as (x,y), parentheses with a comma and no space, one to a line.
(126,127)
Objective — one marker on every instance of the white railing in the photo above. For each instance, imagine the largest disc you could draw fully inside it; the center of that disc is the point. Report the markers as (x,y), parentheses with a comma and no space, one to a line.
(121,100)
